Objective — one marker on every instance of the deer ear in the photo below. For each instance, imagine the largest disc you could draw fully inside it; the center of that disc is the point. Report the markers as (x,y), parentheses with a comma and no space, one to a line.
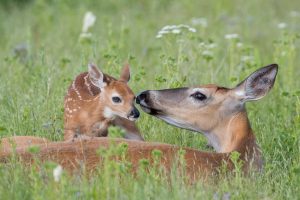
(125,74)
(258,84)
(96,76)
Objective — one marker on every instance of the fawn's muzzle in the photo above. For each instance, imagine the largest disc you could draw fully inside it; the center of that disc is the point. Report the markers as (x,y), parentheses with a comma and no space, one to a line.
(134,114)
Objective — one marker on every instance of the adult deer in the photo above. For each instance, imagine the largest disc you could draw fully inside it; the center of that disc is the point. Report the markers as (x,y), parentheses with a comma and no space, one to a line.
(95,100)
(216,111)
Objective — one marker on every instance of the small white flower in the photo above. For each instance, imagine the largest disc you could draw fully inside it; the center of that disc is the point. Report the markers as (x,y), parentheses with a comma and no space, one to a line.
(199,21)
(211,45)
(184,26)
(282,25)
(294,13)
(246,58)
(207,53)
(88,21)
(169,27)
(163,32)
(192,30)
(57,172)
(231,36)
(176,31)
(239,44)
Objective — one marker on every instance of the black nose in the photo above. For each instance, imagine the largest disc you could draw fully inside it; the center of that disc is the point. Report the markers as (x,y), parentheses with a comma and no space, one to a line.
(134,113)
(142,97)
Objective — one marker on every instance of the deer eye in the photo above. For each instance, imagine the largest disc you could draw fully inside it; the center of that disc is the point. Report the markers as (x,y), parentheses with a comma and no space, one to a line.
(116,99)
(199,96)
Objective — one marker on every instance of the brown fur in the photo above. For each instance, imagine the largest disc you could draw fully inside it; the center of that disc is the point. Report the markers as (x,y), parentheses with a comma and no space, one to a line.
(222,117)
(71,155)
(9,143)
(85,103)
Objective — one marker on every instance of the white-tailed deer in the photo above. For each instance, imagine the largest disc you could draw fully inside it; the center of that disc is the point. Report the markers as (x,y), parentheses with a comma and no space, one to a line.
(95,100)
(217,112)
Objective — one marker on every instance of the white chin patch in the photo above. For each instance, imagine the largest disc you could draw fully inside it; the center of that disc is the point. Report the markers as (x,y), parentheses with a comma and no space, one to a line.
(108,113)
(176,122)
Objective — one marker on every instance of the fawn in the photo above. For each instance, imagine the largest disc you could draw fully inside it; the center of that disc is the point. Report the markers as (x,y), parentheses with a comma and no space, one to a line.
(217,112)
(95,100)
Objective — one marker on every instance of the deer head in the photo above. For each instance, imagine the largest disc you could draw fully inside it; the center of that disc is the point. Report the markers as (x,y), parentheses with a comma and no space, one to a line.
(117,98)
(217,112)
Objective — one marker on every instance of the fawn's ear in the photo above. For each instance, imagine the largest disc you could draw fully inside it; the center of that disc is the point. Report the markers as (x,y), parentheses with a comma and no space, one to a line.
(258,84)
(96,76)
(125,74)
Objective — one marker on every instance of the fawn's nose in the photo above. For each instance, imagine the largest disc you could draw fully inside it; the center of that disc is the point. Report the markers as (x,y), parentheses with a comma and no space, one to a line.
(134,114)
(142,97)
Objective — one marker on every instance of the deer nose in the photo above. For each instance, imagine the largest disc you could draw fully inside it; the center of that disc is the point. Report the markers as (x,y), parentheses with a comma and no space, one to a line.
(142,97)
(134,113)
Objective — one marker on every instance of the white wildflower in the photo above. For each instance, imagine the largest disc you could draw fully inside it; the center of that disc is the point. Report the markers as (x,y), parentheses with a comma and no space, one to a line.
(199,21)
(88,21)
(202,44)
(231,36)
(294,13)
(182,26)
(246,58)
(57,172)
(169,27)
(192,30)
(282,25)
(163,32)
(176,31)
(211,45)
(207,53)
(239,44)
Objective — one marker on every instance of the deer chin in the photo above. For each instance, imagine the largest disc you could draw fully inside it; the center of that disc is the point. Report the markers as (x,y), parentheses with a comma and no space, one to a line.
(176,122)
(150,110)
(110,114)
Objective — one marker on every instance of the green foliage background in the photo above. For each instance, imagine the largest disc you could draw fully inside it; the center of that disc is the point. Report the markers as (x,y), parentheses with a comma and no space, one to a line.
(34,81)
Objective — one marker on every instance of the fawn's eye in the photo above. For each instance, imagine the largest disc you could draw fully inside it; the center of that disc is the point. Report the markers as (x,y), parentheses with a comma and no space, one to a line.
(199,96)
(116,99)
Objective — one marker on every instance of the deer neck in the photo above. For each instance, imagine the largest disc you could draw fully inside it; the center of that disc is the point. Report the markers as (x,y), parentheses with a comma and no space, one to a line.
(233,134)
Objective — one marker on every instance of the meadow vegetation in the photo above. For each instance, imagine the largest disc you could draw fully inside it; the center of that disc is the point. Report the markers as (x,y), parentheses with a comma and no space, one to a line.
(221,42)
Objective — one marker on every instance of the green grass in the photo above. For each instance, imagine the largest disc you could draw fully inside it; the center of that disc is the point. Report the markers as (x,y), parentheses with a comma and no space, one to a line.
(32,87)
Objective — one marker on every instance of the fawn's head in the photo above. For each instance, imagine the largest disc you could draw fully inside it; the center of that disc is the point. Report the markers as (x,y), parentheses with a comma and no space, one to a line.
(116,96)
(208,108)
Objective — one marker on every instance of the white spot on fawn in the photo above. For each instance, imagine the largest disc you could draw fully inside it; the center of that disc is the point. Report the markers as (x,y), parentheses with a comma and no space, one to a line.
(75,89)
(88,85)
(108,113)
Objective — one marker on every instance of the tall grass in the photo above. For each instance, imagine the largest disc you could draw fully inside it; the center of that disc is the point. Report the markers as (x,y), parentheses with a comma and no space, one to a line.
(34,81)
